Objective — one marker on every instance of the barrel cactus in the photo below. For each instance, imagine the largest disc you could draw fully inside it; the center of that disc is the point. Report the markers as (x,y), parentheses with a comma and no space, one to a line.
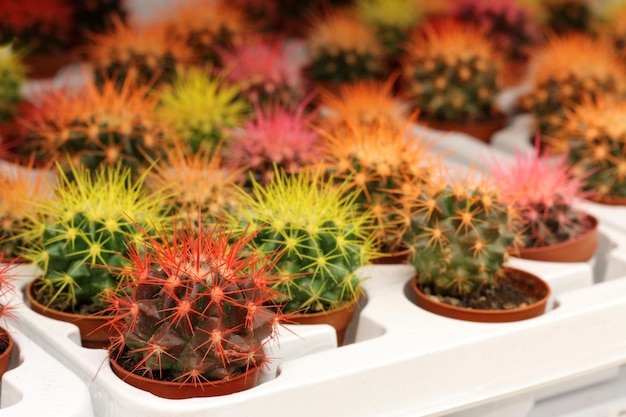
(452,73)
(200,107)
(596,145)
(97,126)
(568,68)
(278,135)
(379,162)
(460,233)
(196,308)
(543,188)
(147,52)
(80,239)
(342,49)
(320,232)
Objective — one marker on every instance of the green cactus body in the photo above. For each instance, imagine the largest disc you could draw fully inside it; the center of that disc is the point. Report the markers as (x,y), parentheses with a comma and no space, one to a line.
(460,236)
(196,308)
(453,74)
(12,76)
(342,49)
(321,235)
(80,239)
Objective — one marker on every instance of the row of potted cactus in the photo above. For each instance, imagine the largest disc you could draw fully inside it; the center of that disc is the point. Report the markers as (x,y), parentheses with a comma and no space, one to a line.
(206,273)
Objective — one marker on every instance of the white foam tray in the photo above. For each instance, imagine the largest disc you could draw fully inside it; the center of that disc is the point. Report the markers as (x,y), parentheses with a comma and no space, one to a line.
(36,383)
(403,360)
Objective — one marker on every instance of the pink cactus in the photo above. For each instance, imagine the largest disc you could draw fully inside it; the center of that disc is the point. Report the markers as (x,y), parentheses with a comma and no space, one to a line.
(543,188)
(278,135)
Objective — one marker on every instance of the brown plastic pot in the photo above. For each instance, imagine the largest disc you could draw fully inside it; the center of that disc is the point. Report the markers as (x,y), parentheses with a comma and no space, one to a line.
(339,318)
(482,131)
(44,66)
(399,257)
(609,200)
(5,357)
(178,390)
(95,331)
(580,249)
(514,72)
(532,285)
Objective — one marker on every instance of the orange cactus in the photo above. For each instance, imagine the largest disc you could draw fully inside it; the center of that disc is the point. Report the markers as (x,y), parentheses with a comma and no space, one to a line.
(98,125)
(148,52)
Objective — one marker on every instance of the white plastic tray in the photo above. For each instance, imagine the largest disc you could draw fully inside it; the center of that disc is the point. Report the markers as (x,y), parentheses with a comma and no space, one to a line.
(403,361)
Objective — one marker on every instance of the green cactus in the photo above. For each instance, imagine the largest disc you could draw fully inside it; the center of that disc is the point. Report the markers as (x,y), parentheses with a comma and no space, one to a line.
(452,73)
(12,76)
(196,307)
(343,49)
(320,232)
(80,239)
(460,235)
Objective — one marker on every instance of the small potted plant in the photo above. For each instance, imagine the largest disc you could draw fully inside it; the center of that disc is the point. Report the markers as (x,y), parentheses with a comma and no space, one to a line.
(277,135)
(196,184)
(265,70)
(362,103)
(452,75)
(512,27)
(96,126)
(200,107)
(6,287)
(323,238)
(42,31)
(12,77)
(194,313)
(147,52)
(207,26)
(543,190)
(461,232)
(595,138)
(566,69)
(378,162)
(79,241)
(341,48)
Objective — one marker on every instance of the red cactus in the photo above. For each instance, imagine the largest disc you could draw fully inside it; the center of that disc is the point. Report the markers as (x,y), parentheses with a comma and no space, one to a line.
(197,307)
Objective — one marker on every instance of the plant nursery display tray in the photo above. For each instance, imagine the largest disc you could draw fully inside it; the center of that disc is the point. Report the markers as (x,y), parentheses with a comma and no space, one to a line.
(399,360)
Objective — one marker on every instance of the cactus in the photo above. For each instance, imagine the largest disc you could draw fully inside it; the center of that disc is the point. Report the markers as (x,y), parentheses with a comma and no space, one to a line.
(147,52)
(510,25)
(362,103)
(80,239)
(342,49)
(12,77)
(452,73)
(460,233)
(316,226)
(543,188)
(614,30)
(264,70)
(197,307)
(596,145)
(97,126)
(278,135)
(568,68)
(207,26)
(20,187)
(196,184)
(39,27)
(378,162)
(393,20)
(200,107)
